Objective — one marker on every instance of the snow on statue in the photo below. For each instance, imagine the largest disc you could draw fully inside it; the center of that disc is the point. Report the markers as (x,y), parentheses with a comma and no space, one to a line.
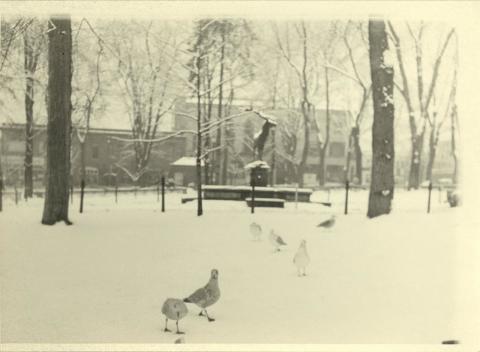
(206,296)
(301,259)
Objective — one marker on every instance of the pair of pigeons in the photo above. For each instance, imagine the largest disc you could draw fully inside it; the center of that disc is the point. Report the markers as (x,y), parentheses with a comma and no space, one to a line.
(275,240)
(176,309)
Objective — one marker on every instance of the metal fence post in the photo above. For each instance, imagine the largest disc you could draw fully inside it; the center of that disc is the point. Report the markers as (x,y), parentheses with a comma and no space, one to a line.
(163,194)
(347,187)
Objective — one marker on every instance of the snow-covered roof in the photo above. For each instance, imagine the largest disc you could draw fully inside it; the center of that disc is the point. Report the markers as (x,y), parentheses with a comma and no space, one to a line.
(186,161)
(257,163)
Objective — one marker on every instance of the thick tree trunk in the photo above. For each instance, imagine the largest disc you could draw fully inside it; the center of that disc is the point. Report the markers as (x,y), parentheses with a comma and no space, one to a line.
(382,182)
(59,120)
(28,175)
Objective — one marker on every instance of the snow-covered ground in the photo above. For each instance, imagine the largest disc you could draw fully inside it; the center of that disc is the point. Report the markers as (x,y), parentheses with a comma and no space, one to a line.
(393,279)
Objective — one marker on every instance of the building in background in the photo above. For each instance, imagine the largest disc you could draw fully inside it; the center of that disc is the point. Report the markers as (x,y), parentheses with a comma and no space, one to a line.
(105,150)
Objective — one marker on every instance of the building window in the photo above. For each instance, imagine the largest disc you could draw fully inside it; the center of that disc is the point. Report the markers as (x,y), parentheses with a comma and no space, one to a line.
(336,150)
(95,152)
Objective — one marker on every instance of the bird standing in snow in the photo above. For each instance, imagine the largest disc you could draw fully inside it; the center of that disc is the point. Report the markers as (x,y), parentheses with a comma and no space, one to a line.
(256,231)
(301,258)
(328,223)
(174,309)
(207,295)
(276,241)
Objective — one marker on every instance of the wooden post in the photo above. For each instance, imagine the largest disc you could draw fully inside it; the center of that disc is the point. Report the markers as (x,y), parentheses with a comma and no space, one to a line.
(163,194)
(347,187)
(429,196)
(16,194)
(82,191)
(71,193)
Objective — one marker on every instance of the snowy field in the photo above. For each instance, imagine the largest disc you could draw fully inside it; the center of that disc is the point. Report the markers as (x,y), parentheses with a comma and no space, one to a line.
(393,279)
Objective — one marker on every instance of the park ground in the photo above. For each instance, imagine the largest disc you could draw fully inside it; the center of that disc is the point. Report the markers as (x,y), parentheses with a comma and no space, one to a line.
(393,279)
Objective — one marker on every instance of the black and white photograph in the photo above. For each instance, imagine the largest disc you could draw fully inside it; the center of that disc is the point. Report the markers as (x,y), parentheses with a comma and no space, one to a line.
(239,175)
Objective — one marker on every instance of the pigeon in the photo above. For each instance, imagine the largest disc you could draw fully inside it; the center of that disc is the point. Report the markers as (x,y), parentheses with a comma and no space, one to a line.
(256,231)
(301,258)
(174,309)
(207,295)
(328,223)
(276,241)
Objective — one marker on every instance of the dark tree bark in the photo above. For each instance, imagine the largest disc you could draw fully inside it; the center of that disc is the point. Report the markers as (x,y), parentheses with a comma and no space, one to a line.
(28,162)
(59,120)
(382,181)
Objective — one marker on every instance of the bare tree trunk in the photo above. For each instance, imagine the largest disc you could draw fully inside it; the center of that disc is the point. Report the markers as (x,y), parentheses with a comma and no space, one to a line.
(226,136)
(453,117)
(415,161)
(321,174)
(358,155)
(433,142)
(59,120)
(323,147)
(199,142)
(382,182)
(306,109)
(28,175)
(31,54)
(83,166)
(221,128)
